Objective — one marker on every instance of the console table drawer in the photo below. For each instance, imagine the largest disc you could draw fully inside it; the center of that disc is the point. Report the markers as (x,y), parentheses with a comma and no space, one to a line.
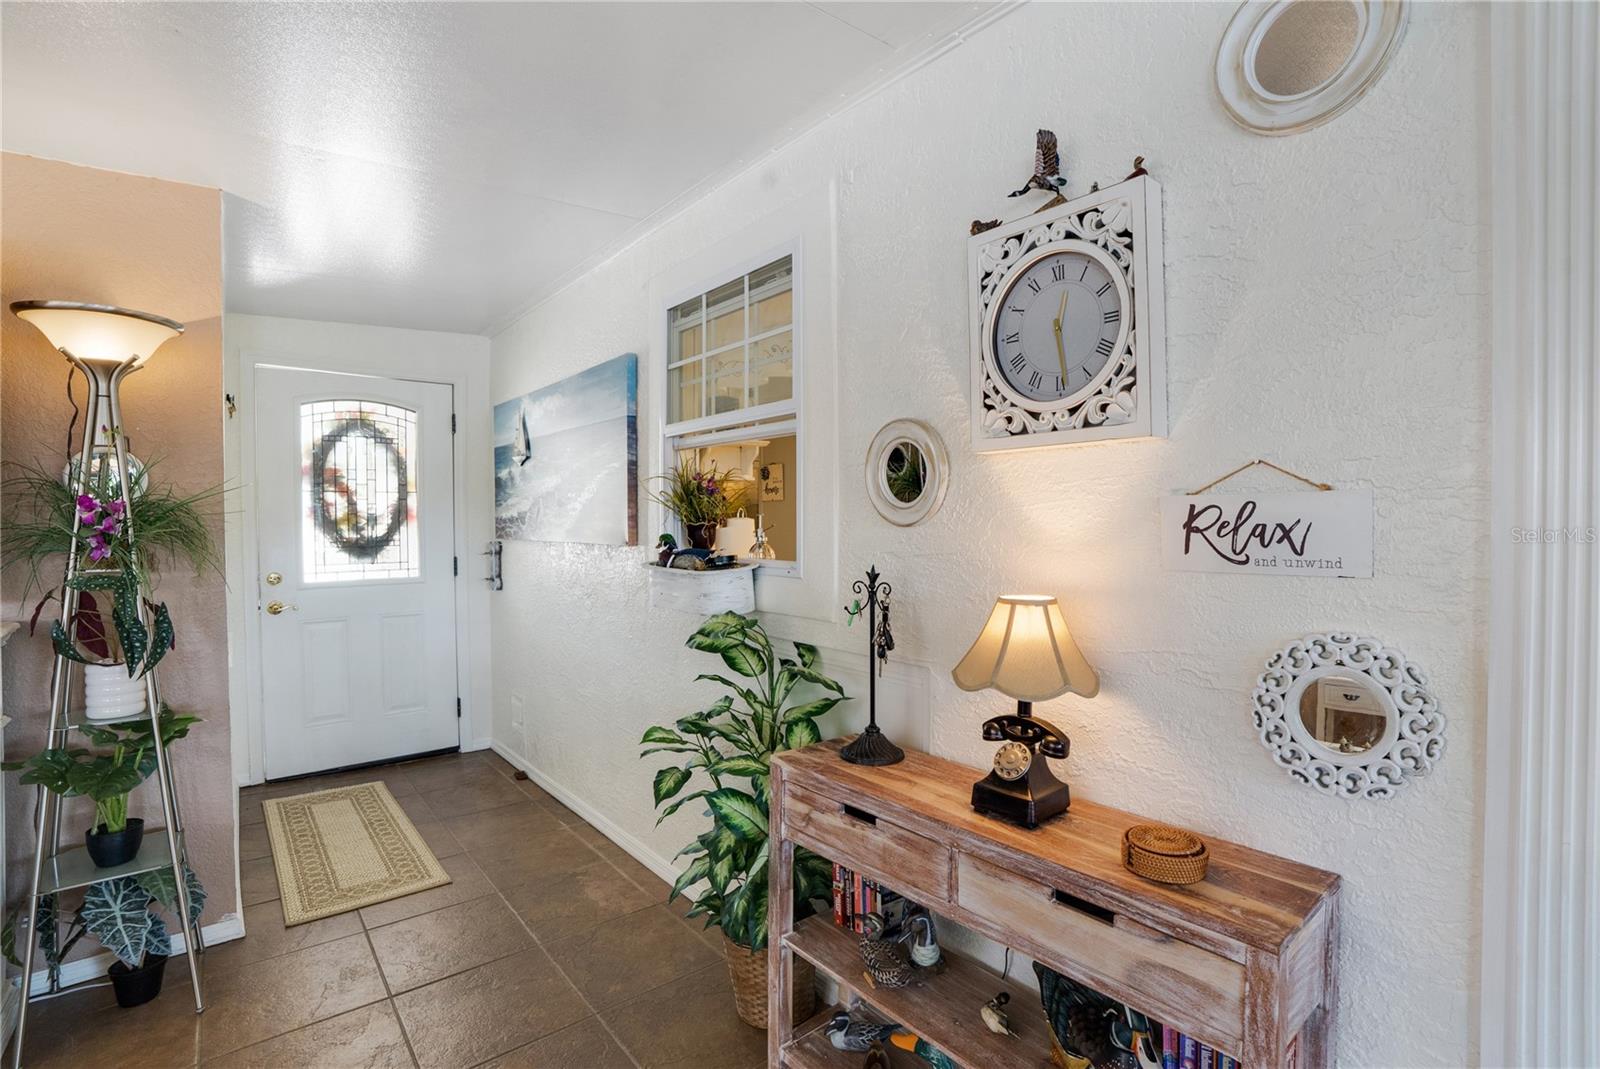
(912,864)
(1165,977)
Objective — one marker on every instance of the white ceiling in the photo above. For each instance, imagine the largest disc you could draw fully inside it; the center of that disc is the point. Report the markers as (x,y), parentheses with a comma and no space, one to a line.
(427,164)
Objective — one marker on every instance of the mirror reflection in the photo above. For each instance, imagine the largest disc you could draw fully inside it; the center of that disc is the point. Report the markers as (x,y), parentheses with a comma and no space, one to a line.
(1306,45)
(1344,713)
(906,472)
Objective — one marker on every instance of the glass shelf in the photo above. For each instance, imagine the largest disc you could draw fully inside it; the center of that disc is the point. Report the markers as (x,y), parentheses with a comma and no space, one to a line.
(73,867)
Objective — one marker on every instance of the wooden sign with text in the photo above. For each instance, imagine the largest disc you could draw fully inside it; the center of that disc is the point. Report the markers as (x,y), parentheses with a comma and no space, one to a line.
(1327,533)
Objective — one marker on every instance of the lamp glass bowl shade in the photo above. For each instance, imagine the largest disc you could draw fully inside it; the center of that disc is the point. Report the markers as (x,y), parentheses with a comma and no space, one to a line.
(1026,652)
(99,331)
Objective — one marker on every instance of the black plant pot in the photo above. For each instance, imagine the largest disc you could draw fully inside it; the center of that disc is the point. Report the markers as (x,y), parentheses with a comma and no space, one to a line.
(135,987)
(108,849)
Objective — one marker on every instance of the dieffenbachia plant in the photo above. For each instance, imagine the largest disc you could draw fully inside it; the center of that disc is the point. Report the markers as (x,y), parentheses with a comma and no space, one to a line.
(731,744)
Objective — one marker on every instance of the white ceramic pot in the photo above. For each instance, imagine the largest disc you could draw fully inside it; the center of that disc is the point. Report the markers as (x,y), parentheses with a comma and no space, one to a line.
(108,693)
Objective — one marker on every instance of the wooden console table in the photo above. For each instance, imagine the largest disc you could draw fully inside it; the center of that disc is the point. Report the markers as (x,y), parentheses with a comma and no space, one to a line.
(1246,961)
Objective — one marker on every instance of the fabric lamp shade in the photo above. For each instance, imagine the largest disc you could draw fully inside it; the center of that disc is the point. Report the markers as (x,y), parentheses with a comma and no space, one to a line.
(98,331)
(1026,652)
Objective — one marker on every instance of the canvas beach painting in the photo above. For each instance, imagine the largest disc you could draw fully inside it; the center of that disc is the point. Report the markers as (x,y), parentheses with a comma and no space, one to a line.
(566,459)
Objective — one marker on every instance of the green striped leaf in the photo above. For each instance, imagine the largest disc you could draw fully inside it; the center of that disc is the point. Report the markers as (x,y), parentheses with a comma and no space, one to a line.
(801,732)
(669,781)
(738,812)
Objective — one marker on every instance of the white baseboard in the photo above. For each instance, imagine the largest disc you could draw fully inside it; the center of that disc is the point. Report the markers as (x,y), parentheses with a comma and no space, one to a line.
(229,928)
(628,842)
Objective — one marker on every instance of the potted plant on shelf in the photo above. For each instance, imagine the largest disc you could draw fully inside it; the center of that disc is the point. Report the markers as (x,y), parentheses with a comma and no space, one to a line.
(731,745)
(701,499)
(118,913)
(106,778)
(171,526)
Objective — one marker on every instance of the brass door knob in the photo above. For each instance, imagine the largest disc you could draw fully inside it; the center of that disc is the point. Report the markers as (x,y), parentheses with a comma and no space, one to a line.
(275,607)
(274,578)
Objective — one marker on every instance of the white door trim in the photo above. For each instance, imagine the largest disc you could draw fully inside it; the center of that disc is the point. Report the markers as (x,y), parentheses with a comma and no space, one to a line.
(360,350)
(1541,888)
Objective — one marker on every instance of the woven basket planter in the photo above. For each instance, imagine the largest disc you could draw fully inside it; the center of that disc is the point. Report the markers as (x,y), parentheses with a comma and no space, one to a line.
(748,970)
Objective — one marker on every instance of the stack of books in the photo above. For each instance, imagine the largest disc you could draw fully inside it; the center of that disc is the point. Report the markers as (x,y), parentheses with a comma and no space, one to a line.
(1178,1051)
(855,896)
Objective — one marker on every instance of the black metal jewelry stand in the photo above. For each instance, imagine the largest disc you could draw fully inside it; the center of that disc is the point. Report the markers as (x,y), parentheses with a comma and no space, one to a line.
(872,746)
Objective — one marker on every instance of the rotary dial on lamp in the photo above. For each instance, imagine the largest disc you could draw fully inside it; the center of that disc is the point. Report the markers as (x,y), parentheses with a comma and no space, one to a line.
(1012,761)
(1057,326)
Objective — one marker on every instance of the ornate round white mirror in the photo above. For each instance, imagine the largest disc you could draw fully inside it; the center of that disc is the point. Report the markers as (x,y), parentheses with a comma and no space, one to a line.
(907,471)
(1348,715)
(1288,65)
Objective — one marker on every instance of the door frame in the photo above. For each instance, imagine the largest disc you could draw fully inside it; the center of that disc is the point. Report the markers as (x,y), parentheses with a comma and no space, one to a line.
(389,353)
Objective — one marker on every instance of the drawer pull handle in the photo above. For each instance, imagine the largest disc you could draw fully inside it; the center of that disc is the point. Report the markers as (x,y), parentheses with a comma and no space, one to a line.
(1083,905)
(859,814)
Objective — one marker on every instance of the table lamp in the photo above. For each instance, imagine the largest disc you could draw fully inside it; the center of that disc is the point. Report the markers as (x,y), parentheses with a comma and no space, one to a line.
(1025,652)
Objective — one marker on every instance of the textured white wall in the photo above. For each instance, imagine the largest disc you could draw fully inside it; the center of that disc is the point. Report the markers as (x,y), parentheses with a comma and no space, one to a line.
(1326,307)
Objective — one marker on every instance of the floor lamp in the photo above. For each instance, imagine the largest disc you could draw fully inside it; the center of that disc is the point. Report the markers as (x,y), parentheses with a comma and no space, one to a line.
(107,344)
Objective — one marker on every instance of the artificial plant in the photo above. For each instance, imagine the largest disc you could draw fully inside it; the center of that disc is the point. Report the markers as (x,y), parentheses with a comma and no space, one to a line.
(699,496)
(731,744)
(105,778)
(172,526)
(117,913)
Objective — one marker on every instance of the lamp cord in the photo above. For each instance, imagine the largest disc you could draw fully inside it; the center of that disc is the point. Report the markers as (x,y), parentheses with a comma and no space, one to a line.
(72,369)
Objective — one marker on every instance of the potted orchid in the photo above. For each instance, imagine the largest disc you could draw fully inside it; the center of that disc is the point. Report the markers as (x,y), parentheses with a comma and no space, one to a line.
(701,498)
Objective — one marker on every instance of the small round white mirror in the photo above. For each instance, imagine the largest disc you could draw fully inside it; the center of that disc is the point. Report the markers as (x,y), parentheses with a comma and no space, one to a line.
(1348,715)
(907,469)
(1288,65)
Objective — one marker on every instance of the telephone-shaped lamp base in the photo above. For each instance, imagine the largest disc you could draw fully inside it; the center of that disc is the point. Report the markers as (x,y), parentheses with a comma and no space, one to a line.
(1029,801)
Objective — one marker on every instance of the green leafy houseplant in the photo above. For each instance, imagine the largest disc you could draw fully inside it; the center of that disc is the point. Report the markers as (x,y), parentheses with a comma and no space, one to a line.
(731,744)
(171,525)
(107,778)
(117,913)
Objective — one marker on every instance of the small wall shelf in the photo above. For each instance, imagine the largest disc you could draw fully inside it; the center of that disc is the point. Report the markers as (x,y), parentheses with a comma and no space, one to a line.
(703,593)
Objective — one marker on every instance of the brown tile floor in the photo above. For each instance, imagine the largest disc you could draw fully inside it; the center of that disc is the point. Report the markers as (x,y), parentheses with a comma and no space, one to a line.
(551,949)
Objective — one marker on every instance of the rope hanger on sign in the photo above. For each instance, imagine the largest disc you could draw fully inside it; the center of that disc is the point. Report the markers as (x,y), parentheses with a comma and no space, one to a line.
(1265,463)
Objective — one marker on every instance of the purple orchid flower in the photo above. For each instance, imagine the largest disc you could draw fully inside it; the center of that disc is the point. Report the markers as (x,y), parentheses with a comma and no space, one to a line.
(99,549)
(109,525)
(117,507)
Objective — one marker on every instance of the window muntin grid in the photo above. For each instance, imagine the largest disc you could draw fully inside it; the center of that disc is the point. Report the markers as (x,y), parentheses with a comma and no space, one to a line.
(358,491)
(732,347)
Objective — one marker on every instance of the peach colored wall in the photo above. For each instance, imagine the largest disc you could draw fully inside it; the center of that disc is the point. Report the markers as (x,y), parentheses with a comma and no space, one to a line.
(77,233)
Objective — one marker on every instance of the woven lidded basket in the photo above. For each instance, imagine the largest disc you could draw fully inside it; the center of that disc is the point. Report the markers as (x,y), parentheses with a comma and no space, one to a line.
(1164,854)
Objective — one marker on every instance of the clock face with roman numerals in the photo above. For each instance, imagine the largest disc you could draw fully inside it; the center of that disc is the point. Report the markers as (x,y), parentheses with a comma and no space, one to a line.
(1057,326)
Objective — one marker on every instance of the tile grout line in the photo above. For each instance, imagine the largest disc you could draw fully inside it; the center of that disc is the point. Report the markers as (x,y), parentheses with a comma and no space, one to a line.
(389,993)
(556,965)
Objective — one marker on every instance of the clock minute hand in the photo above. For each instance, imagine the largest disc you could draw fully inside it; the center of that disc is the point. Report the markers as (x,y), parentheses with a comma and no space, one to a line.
(1061,351)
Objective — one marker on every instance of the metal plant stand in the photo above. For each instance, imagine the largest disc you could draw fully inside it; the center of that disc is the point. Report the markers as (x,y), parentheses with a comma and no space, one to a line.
(56,870)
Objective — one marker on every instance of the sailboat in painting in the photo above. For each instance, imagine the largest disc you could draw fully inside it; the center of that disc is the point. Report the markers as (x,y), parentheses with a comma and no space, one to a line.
(522,447)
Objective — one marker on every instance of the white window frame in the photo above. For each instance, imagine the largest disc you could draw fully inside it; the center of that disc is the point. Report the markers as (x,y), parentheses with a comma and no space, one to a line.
(771,420)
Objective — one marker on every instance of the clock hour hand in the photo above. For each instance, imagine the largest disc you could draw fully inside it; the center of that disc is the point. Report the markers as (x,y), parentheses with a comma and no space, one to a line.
(1061,351)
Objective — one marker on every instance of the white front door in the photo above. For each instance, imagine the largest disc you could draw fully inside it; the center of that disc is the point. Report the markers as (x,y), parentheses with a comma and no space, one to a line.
(355,584)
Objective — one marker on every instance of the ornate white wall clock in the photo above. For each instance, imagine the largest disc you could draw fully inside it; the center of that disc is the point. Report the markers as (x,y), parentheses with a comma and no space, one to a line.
(1068,338)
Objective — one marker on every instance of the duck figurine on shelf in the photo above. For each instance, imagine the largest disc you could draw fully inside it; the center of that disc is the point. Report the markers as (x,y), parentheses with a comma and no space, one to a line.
(851,1033)
(924,939)
(994,1015)
(888,964)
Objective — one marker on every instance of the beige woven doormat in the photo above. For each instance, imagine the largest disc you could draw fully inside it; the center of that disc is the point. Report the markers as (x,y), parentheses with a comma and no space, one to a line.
(345,848)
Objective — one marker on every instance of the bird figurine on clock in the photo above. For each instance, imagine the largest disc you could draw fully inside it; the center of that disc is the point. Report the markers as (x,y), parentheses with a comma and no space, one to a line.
(1067,322)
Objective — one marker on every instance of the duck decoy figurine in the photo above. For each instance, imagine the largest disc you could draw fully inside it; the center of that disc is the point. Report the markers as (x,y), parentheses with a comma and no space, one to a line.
(856,1034)
(994,1016)
(925,953)
(935,1057)
(886,960)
